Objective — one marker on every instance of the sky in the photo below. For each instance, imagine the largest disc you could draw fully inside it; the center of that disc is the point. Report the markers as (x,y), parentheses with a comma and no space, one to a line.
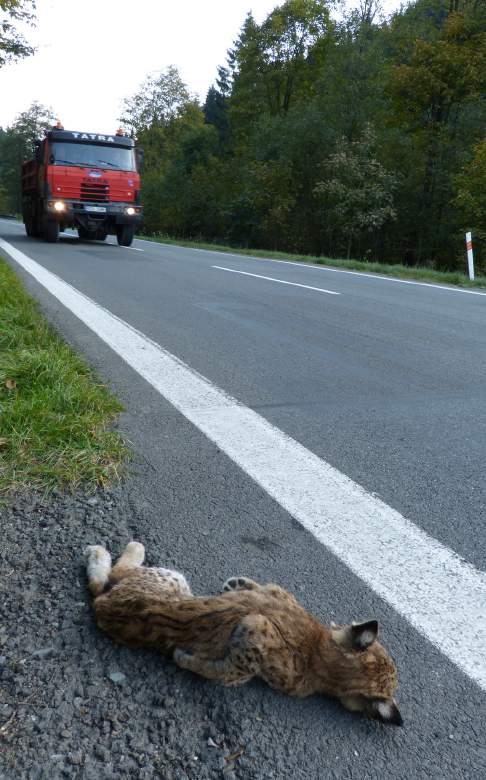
(91,54)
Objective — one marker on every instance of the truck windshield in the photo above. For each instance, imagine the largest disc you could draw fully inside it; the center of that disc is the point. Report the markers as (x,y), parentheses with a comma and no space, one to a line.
(92,155)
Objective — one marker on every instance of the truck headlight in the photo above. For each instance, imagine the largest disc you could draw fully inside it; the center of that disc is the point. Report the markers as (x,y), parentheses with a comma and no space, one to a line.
(59,206)
(130,211)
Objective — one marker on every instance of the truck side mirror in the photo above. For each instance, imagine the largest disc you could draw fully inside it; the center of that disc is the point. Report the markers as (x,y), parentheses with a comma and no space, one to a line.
(140,155)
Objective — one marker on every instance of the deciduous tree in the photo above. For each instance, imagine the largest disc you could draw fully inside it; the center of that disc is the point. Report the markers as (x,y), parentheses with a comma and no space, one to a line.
(158,100)
(356,192)
(13,44)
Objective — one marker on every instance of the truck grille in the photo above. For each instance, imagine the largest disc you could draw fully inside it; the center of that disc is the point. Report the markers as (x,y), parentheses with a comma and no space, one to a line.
(98,193)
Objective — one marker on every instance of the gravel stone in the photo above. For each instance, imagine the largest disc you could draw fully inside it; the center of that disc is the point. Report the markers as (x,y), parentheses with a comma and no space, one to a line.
(117,677)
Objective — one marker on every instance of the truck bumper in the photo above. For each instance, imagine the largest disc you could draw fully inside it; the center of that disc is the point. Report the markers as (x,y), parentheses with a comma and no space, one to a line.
(95,215)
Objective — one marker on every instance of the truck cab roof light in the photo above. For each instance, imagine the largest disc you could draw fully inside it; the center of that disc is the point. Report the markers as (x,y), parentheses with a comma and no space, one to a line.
(120,131)
(58,125)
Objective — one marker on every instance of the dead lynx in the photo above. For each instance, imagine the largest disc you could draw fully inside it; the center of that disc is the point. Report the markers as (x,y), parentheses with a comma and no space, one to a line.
(250,630)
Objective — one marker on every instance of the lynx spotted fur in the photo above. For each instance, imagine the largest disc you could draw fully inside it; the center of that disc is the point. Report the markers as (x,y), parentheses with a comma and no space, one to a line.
(249,630)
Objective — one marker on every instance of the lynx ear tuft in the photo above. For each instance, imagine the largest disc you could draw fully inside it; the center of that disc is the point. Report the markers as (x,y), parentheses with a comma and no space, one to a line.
(364,634)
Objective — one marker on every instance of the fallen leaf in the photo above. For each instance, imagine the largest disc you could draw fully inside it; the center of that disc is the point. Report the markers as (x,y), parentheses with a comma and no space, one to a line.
(233,756)
(10,384)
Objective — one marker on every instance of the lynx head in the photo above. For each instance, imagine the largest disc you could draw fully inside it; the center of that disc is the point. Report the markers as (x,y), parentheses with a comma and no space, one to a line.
(367,674)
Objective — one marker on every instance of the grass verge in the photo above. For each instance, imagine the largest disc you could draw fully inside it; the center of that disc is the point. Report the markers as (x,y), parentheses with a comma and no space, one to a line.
(384,269)
(54,414)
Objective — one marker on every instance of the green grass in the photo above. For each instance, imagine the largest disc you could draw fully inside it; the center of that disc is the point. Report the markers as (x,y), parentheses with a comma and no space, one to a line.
(385,269)
(54,413)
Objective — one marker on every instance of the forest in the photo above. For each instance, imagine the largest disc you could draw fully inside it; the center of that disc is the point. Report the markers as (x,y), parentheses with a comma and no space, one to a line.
(328,131)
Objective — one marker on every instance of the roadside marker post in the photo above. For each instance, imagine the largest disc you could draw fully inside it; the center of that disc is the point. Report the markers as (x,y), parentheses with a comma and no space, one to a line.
(470,256)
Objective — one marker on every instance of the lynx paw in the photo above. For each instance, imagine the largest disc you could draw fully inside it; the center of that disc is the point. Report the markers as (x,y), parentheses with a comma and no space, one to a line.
(183,658)
(93,550)
(239,583)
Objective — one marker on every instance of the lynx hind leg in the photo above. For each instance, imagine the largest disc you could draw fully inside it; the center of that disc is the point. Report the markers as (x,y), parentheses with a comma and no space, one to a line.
(98,567)
(240,583)
(174,582)
(132,557)
(241,662)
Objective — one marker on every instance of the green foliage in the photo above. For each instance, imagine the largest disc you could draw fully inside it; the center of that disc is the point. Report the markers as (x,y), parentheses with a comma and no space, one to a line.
(471,201)
(16,145)
(319,136)
(356,193)
(434,95)
(275,64)
(32,124)
(13,45)
(158,100)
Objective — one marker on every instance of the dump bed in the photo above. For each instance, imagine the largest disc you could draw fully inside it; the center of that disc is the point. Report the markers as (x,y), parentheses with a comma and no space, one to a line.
(30,177)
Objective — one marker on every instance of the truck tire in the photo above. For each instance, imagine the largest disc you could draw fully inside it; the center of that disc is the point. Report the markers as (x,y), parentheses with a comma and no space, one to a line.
(36,228)
(124,235)
(51,231)
(29,227)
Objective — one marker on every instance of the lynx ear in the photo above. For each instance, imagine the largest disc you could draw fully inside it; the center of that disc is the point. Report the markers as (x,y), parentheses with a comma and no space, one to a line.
(386,711)
(364,634)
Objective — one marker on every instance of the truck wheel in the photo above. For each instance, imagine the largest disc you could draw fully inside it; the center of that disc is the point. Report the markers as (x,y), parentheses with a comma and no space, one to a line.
(51,231)
(124,235)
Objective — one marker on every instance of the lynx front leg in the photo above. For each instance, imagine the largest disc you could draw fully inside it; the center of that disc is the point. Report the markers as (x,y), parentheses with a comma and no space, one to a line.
(223,670)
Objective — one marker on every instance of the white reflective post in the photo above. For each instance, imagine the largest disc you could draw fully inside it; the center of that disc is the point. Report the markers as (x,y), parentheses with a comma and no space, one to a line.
(470,257)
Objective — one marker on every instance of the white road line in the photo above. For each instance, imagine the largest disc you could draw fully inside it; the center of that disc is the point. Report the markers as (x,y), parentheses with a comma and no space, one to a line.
(133,248)
(315,267)
(323,268)
(271,279)
(440,594)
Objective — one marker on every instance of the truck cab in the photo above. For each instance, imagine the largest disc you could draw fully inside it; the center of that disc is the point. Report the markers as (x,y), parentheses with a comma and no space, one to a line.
(86,181)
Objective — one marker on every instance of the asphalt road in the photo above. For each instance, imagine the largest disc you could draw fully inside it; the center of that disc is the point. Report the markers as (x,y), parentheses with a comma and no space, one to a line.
(384,381)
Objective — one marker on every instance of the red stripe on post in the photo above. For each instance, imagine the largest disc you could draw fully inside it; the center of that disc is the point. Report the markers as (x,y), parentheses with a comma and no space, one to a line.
(469,245)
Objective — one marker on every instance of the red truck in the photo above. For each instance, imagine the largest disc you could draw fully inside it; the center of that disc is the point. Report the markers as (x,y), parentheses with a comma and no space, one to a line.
(85,181)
